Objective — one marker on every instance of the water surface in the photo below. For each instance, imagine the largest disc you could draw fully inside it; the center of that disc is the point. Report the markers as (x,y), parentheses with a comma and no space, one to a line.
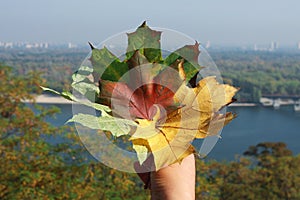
(252,126)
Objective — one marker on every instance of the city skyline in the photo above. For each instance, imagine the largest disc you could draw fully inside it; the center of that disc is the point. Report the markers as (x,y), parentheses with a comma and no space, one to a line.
(271,46)
(231,22)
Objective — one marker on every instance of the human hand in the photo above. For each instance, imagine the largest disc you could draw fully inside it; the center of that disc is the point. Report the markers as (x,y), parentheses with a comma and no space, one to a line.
(176,181)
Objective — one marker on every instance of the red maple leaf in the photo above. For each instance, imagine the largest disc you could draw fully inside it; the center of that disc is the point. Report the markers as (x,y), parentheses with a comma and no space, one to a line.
(139,102)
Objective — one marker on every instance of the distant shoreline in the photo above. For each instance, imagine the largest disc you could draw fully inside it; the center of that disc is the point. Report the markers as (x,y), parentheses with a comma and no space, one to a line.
(47,99)
(243,105)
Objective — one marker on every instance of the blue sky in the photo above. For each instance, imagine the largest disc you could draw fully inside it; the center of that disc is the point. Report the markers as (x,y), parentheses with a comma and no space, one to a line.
(221,22)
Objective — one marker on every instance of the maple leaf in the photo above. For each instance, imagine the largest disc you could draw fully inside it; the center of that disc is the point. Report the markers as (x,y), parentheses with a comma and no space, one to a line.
(167,145)
(139,95)
(169,139)
(188,55)
(106,65)
(146,41)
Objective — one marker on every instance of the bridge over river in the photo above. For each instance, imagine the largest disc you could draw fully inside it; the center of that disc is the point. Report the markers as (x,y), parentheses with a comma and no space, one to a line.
(277,100)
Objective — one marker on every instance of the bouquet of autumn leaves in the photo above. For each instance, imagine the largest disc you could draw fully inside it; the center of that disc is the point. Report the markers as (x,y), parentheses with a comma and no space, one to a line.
(157,101)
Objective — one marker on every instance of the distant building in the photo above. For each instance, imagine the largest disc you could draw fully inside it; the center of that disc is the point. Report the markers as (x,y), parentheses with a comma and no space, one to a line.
(70,45)
(298,45)
(271,47)
(28,46)
(8,45)
(44,45)
(255,47)
(274,46)
(207,46)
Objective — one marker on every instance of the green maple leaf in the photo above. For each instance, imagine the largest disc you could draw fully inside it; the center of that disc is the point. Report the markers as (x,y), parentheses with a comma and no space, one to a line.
(116,126)
(146,41)
(190,54)
(106,65)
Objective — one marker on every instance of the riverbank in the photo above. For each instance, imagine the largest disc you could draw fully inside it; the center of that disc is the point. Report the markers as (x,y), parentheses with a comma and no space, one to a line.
(48,99)
(243,104)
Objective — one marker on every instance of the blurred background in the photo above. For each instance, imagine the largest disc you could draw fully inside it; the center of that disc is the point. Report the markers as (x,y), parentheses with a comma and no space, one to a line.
(255,44)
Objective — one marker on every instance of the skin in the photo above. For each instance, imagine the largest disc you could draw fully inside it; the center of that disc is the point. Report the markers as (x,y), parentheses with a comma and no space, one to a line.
(174,182)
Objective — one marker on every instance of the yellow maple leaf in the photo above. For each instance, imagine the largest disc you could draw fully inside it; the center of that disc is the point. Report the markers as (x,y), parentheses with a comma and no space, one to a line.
(168,138)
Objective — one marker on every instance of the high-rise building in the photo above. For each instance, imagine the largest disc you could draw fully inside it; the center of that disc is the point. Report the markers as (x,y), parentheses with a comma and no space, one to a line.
(207,44)
(255,47)
(273,46)
(276,45)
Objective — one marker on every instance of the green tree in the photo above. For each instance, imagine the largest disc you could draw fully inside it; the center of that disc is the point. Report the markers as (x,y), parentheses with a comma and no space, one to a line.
(256,95)
(270,172)
(34,168)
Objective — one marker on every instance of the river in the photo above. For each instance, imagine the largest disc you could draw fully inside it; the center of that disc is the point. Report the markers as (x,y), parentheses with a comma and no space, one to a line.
(252,126)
